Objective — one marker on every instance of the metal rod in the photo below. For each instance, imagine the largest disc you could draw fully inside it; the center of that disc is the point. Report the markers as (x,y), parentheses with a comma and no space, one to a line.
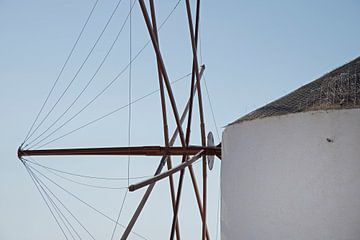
(168,173)
(141,150)
(158,171)
(163,107)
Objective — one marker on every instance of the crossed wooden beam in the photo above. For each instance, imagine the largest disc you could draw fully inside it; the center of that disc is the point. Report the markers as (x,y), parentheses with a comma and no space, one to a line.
(168,150)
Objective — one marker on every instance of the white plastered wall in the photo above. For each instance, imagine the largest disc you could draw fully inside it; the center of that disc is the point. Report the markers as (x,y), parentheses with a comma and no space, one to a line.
(295,176)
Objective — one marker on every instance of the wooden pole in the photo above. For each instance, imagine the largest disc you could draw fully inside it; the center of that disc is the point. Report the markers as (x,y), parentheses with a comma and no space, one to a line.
(203,137)
(158,171)
(118,151)
(168,173)
(194,42)
(163,107)
(168,86)
(163,70)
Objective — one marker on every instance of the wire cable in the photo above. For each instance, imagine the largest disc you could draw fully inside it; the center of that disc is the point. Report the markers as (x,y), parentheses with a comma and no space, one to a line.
(212,110)
(82,175)
(110,83)
(41,193)
(129,121)
(208,95)
(119,214)
(44,199)
(63,205)
(104,116)
(62,69)
(89,82)
(80,68)
(82,201)
(129,90)
(85,184)
(61,215)
(218,137)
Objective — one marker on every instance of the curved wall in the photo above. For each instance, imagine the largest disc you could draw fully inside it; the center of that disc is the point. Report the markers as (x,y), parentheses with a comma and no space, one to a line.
(295,176)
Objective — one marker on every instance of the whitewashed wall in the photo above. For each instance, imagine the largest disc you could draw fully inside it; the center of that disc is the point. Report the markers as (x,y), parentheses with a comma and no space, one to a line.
(295,176)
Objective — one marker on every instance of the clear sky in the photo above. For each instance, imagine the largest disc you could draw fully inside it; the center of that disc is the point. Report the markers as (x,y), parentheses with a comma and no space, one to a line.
(254,52)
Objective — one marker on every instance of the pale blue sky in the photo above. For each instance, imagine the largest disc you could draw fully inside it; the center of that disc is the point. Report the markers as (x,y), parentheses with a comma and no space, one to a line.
(254,51)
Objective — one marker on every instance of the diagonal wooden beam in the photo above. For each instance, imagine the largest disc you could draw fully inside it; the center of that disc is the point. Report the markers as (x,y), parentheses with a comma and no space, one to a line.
(168,173)
(168,86)
(202,126)
(163,107)
(194,41)
(158,171)
(163,70)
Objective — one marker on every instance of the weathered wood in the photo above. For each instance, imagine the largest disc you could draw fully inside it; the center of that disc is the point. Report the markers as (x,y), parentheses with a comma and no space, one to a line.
(142,150)
(202,207)
(194,43)
(164,116)
(158,171)
(168,173)
(163,70)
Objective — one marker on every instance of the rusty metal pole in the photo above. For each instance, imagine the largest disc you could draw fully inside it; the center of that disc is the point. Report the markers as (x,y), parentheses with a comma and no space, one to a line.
(163,107)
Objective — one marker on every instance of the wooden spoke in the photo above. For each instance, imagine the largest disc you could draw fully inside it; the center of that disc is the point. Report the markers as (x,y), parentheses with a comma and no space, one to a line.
(143,150)
(168,173)
(163,108)
(158,171)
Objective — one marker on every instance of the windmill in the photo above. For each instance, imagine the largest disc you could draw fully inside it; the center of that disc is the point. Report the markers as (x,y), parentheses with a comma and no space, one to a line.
(299,163)
(190,154)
